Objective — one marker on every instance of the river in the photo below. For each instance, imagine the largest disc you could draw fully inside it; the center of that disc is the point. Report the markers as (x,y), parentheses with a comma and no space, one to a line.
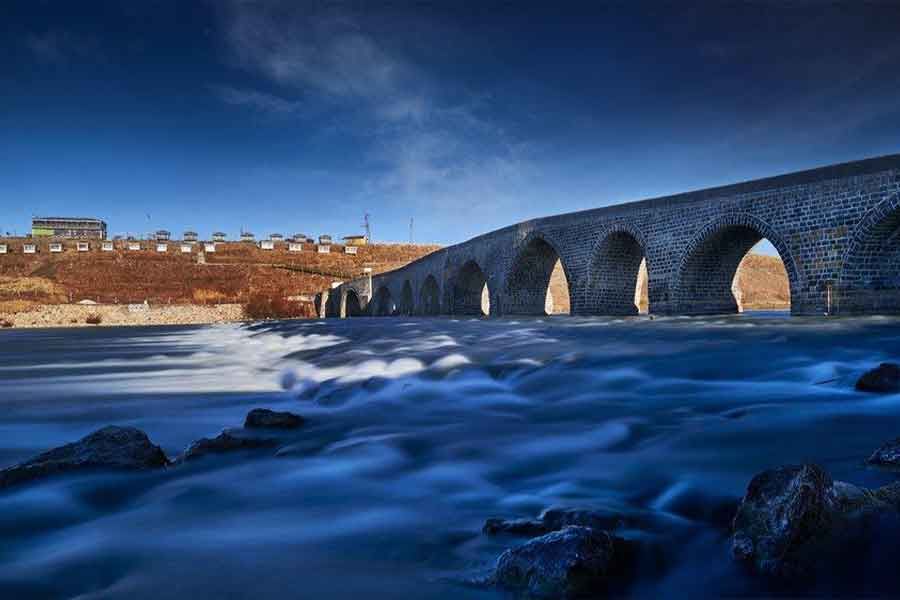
(419,430)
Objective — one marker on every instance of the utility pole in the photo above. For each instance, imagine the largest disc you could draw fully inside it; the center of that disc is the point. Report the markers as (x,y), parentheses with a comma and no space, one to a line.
(410,230)
(368,227)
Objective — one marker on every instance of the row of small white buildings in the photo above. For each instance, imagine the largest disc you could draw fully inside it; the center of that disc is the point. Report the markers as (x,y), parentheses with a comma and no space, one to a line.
(185,247)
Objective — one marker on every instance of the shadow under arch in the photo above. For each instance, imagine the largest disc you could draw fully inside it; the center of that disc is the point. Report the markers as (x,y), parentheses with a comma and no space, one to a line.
(407,302)
(383,303)
(538,280)
(470,294)
(614,273)
(869,275)
(430,297)
(705,274)
(351,305)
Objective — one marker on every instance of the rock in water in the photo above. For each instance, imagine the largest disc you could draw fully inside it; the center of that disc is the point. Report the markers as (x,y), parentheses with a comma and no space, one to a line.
(567,563)
(263,417)
(112,447)
(884,379)
(554,519)
(887,455)
(781,517)
(526,527)
(224,442)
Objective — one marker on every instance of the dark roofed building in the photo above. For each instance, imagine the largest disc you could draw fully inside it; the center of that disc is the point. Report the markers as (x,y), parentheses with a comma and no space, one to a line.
(68,227)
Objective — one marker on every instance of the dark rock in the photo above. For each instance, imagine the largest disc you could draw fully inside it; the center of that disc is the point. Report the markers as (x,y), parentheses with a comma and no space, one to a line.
(121,448)
(568,563)
(888,455)
(795,522)
(526,527)
(224,442)
(781,517)
(884,379)
(554,519)
(263,417)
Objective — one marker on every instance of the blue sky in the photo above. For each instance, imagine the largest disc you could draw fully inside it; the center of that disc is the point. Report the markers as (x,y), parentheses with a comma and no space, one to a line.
(292,117)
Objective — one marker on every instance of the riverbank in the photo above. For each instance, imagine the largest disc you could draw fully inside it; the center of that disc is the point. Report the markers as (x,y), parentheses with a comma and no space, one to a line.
(98,315)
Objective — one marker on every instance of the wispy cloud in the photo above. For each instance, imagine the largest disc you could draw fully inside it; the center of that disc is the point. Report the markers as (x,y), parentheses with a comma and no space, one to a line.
(60,47)
(257,101)
(427,147)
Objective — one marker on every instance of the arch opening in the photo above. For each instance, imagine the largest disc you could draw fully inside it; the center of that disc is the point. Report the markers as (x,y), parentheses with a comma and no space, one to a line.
(383,303)
(732,269)
(619,276)
(352,305)
(407,304)
(471,295)
(429,297)
(537,283)
(870,276)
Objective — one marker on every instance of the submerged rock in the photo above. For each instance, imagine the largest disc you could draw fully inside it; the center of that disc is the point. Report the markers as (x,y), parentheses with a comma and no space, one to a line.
(883,379)
(263,417)
(123,448)
(224,442)
(887,455)
(568,563)
(795,522)
(554,519)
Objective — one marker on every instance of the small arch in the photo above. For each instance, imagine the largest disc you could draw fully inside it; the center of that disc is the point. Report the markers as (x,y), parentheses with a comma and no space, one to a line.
(537,282)
(383,303)
(618,276)
(471,295)
(869,278)
(352,306)
(706,277)
(407,304)
(430,297)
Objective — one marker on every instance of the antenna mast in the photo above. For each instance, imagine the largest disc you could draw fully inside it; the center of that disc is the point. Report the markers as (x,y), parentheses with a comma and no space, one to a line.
(368,227)
(410,230)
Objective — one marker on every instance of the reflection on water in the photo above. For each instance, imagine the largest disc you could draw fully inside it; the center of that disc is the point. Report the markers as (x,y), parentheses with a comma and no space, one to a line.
(418,431)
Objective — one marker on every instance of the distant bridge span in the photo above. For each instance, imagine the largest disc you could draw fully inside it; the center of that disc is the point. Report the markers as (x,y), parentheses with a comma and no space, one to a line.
(837,229)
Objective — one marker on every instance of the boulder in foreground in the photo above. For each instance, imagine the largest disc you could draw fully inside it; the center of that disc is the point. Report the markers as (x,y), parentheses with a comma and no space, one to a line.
(884,379)
(794,522)
(224,442)
(569,563)
(265,418)
(122,448)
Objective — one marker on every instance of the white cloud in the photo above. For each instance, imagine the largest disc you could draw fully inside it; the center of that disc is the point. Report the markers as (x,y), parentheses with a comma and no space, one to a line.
(258,101)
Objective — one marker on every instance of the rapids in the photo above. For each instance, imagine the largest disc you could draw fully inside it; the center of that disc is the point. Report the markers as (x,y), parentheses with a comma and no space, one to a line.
(419,430)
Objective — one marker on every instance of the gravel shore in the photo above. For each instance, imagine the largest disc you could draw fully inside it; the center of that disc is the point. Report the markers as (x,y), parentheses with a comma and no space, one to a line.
(76,315)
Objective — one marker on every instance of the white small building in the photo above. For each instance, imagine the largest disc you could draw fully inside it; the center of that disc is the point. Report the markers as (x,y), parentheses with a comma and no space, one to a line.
(190,237)
(350,249)
(209,247)
(106,246)
(295,247)
(324,239)
(276,237)
(134,245)
(56,247)
(185,248)
(323,249)
(266,245)
(4,249)
(220,236)
(29,248)
(83,246)
(162,247)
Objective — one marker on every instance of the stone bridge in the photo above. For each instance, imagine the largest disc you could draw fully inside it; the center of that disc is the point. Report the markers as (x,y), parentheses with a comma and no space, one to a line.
(836,229)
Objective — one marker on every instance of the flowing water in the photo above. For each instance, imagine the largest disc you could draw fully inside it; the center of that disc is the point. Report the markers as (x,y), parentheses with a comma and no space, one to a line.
(419,430)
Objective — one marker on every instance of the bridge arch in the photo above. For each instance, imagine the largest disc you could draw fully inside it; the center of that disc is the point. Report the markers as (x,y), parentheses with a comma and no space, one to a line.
(383,303)
(430,297)
(614,272)
(537,282)
(469,292)
(407,302)
(704,277)
(869,276)
(351,306)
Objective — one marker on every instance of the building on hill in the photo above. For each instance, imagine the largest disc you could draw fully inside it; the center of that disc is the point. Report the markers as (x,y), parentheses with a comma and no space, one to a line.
(324,240)
(355,240)
(163,236)
(68,227)
(300,238)
(219,236)
(276,237)
(190,236)
(246,236)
